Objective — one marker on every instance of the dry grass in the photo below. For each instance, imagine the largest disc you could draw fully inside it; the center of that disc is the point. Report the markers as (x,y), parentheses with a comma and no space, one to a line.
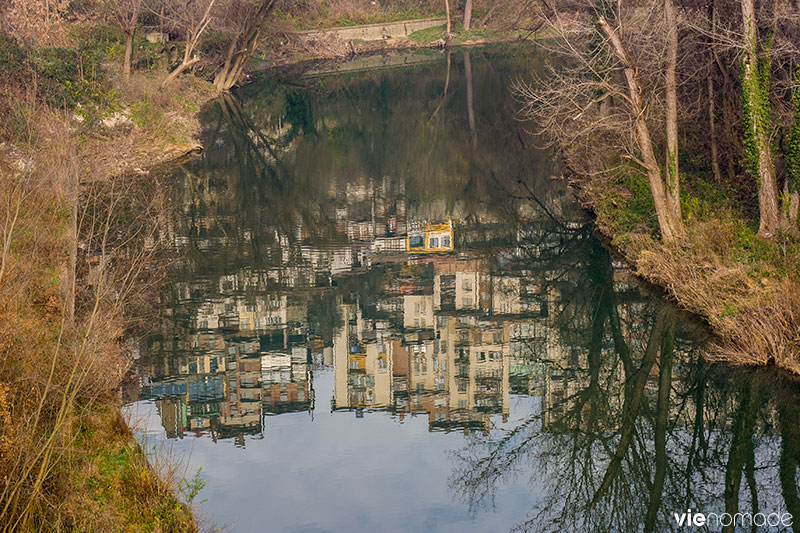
(72,255)
(164,124)
(753,307)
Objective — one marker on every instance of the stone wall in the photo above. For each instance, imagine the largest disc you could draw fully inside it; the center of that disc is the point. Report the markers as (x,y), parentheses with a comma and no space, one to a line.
(374,32)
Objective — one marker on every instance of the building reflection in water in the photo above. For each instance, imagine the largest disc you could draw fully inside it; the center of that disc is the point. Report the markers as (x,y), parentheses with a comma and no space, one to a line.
(436,333)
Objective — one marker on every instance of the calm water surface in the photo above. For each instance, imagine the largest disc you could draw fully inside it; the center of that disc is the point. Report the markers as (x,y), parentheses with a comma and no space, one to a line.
(326,378)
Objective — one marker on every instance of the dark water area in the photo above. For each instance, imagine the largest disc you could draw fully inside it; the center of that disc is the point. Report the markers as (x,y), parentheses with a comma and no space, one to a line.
(385,314)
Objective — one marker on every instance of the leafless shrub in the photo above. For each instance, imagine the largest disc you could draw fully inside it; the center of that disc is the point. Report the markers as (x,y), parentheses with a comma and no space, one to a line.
(75,256)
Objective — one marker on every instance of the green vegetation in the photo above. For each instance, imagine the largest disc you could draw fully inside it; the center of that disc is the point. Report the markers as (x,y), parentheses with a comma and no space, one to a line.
(461,36)
(69,122)
(68,77)
(793,141)
(755,103)
(66,456)
(733,255)
(116,475)
(625,205)
(742,284)
(429,35)
(328,14)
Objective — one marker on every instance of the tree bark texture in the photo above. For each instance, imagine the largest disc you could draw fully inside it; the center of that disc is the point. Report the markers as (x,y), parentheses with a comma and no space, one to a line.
(712,127)
(755,108)
(449,25)
(671,170)
(126,66)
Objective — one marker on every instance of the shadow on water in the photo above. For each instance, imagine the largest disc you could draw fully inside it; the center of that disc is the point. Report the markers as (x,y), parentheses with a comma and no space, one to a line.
(394,239)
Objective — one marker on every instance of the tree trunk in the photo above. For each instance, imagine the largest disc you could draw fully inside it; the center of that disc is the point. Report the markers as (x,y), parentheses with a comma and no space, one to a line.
(220,80)
(227,78)
(449,31)
(467,14)
(741,448)
(175,73)
(712,126)
(758,150)
(671,170)
(241,47)
(632,403)
(444,92)
(669,225)
(126,66)
(660,437)
(789,424)
(729,134)
(712,119)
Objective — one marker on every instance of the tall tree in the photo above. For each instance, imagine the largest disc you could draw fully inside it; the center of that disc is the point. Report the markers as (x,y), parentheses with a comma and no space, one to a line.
(672,180)
(615,93)
(449,30)
(467,14)
(664,192)
(756,118)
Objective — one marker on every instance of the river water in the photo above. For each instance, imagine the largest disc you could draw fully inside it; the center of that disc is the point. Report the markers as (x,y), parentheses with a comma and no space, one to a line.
(385,314)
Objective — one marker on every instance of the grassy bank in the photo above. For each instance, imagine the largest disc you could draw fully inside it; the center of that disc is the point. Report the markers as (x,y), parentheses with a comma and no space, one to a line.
(319,15)
(745,287)
(76,138)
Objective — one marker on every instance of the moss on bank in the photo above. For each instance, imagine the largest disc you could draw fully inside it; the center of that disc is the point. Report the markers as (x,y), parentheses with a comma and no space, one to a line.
(114,487)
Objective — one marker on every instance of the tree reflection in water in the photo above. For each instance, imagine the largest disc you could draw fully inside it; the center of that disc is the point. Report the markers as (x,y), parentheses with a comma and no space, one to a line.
(641,427)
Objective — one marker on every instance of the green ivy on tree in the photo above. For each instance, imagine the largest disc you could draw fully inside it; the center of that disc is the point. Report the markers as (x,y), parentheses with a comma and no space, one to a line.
(755,101)
(793,147)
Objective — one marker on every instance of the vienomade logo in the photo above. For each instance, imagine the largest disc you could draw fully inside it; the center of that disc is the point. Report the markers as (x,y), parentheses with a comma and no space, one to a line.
(716,521)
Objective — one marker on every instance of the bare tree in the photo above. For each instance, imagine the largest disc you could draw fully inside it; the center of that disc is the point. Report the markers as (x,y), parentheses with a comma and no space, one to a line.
(467,14)
(192,18)
(449,30)
(614,96)
(124,14)
(712,130)
(672,181)
(668,219)
(244,21)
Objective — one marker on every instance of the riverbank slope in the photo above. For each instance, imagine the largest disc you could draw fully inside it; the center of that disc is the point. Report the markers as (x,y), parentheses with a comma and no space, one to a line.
(77,139)
(746,288)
